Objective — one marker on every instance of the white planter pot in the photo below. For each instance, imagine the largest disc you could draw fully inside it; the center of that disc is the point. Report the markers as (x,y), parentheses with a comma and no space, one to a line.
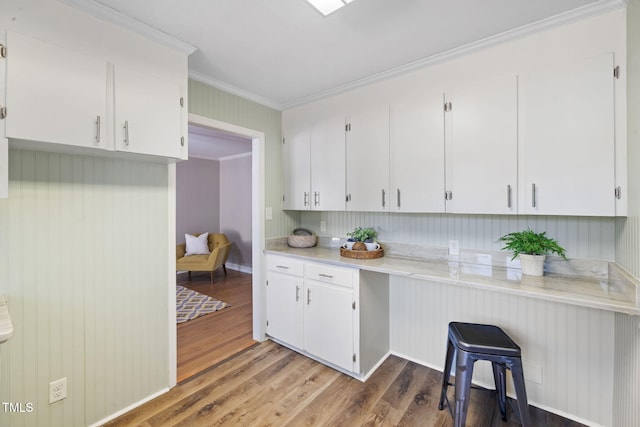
(532,265)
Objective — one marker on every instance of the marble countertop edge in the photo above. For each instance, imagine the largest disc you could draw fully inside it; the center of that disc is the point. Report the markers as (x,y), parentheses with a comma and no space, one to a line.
(609,287)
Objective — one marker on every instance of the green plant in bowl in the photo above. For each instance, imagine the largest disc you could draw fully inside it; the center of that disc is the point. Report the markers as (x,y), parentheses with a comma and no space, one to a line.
(360,234)
(531,243)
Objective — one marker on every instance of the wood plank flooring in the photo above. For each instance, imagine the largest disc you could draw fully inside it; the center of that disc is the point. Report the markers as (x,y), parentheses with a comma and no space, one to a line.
(210,339)
(270,385)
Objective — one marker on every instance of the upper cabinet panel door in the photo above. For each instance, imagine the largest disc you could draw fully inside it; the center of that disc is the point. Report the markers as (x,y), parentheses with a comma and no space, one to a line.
(296,151)
(148,114)
(55,95)
(482,147)
(368,160)
(328,167)
(416,154)
(568,145)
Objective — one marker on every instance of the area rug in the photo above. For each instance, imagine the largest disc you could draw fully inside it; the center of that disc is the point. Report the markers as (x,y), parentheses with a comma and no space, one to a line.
(191,304)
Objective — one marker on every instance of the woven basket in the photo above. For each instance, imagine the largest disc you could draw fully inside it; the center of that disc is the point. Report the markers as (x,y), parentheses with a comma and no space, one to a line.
(348,253)
(302,241)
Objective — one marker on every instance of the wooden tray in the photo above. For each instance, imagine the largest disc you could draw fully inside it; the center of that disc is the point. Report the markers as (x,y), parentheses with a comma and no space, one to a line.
(348,253)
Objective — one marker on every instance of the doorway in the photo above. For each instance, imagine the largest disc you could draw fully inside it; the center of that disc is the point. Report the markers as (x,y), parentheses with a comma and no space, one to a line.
(256,240)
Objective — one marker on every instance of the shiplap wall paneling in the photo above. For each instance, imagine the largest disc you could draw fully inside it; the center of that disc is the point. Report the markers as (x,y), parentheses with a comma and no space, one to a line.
(567,350)
(214,103)
(86,253)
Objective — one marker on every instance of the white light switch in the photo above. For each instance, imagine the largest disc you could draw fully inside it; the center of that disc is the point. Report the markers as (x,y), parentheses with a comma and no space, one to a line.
(269,214)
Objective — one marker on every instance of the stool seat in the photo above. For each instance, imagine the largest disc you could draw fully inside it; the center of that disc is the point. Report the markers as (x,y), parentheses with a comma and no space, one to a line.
(484,339)
(471,342)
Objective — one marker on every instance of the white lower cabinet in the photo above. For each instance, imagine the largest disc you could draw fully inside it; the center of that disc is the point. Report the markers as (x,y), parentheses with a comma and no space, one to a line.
(315,308)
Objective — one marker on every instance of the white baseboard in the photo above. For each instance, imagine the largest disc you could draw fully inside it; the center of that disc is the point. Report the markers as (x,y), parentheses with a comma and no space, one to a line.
(129,408)
(231,266)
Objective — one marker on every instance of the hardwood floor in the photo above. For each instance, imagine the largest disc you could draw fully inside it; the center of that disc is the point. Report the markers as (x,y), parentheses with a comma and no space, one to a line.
(210,339)
(270,385)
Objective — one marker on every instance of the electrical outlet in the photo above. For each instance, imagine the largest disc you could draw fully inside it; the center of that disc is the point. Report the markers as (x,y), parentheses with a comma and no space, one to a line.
(268,214)
(57,390)
(453,247)
(323,225)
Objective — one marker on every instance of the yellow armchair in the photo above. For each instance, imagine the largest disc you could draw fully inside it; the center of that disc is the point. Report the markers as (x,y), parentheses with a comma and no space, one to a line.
(219,246)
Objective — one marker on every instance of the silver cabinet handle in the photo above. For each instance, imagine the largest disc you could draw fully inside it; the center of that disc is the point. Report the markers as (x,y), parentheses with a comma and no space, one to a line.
(98,129)
(325,276)
(508,196)
(284,267)
(126,133)
(398,190)
(306,198)
(316,198)
(533,195)
(297,293)
(308,296)
(383,198)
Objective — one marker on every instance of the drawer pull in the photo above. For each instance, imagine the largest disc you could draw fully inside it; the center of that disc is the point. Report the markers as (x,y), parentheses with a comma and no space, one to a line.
(325,276)
(284,267)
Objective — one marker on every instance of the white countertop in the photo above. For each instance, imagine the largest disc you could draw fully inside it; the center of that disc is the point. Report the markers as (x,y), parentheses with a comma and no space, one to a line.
(6,327)
(613,291)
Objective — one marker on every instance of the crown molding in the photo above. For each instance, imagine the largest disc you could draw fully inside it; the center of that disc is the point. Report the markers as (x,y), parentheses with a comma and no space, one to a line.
(108,14)
(234,90)
(593,9)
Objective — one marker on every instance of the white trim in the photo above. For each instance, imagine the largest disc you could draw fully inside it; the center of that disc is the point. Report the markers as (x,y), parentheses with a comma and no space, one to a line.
(592,9)
(235,156)
(258,221)
(113,16)
(240,268)
(171,266)
(234,90)
(130,407)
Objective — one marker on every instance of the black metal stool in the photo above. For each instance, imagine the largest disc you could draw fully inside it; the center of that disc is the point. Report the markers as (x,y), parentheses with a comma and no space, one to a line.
(474,342)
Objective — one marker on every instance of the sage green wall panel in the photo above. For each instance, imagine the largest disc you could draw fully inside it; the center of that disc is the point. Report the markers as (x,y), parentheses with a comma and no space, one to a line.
(84,246)
(208,101)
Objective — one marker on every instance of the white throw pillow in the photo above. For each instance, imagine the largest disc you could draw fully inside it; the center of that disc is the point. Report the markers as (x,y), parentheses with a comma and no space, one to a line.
(197,245)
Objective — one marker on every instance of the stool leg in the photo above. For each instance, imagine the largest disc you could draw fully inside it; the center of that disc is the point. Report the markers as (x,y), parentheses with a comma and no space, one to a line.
(500,378)
(521,392)
(464,374)
(445,375)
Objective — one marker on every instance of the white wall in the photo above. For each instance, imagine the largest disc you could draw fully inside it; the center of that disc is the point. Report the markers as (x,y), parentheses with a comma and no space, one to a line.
(236,208)
(197,197)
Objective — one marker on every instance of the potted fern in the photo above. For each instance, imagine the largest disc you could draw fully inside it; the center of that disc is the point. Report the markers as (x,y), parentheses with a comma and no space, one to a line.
(362,236)
(531,248)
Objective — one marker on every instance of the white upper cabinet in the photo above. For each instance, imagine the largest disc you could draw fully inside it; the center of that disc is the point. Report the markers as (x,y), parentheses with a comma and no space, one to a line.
(416,155)
(55,95)
(314,166)
(296,152)
(568,139)
(368,160)
(148,114)
(482,147)
(328,164)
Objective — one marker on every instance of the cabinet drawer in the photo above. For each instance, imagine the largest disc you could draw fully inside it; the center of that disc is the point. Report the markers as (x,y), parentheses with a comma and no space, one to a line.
(330,274)
(285,265)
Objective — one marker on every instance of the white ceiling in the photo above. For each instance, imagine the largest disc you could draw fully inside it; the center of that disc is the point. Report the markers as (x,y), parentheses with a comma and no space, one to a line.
(206,143)
(283,52)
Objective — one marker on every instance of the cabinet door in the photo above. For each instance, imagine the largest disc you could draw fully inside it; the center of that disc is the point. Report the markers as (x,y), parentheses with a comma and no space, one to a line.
(296,152)
(482,147)
(368,160)
(416,154)
(567,122)
(148,114)
(328,168)
(328,323)
(284,308)
(70,90)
